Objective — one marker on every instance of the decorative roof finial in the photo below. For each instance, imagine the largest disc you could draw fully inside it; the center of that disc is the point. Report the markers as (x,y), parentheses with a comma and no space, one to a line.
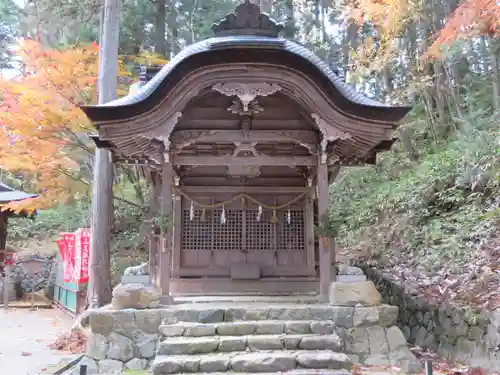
(247,20)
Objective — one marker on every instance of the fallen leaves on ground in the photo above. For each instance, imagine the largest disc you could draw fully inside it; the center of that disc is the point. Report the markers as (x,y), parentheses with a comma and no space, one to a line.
(473,282)
(73,342)
(440,367)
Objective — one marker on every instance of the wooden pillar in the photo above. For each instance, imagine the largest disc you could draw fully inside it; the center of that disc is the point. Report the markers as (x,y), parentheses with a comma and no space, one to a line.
(153,242)
(177,225)
(325,260)
(334,172)
(3,237)
(99,286)
(309,231)
(166,235)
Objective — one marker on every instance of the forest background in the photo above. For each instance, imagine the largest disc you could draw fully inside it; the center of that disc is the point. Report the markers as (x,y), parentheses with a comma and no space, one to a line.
(428,212)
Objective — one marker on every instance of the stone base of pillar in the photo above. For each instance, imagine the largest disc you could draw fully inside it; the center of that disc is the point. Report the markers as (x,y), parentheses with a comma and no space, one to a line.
(136,296)
(362,293)
(166,300)
(136,279)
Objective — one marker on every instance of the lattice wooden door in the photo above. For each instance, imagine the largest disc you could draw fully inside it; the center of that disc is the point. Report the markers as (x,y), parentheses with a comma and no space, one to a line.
(277,247)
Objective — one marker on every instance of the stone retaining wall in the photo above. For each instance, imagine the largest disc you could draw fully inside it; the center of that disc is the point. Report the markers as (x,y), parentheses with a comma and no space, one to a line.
(129,339)
(122,339)
(32,271)
(454,333)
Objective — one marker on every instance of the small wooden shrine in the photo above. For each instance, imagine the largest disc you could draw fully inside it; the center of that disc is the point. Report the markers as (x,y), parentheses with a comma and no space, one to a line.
(245,131)
(9,195)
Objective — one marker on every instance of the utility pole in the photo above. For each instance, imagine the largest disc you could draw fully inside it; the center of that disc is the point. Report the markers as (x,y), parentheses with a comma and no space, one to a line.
(99,287)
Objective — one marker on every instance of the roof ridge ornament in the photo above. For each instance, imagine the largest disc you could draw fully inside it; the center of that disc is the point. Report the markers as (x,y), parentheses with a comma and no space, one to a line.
(247,19)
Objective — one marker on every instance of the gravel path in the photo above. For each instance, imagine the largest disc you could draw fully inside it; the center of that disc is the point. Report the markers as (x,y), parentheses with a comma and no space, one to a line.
(24,336)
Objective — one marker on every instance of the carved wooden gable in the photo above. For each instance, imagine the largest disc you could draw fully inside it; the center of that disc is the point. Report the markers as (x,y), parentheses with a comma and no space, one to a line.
(247,62)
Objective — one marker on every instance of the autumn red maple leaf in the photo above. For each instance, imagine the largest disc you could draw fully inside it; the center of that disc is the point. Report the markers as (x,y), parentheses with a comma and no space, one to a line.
(471,18)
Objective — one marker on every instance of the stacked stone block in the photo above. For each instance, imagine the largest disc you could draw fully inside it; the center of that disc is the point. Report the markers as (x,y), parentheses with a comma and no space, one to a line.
(245,339)
(242,338)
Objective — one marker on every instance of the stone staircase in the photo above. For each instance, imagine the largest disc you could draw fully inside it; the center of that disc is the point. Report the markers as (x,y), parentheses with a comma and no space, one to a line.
(239,335)
(280,338)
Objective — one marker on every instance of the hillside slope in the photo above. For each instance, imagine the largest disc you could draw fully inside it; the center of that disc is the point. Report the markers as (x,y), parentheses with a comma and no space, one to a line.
(433,222)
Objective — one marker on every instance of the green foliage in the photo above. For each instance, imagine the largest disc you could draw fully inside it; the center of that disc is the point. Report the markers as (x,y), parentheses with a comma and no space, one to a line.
(50,223)
(127,243)
(330,225)
(8,21)
(433,208)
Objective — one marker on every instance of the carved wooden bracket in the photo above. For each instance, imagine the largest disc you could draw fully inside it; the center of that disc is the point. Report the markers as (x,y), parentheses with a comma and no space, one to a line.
(298,137)
(246,92)
(330,133)
(163,132)
(245,147)
(237,108)
(184,138)
(157,155)
(246,171)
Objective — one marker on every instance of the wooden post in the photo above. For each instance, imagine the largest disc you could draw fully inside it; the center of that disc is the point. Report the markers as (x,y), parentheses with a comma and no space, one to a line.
(153,244)
(99,288)
(3,234)
(6,287)
(166,243)
(177,225)
(333,260)
(309,231)
(325,259)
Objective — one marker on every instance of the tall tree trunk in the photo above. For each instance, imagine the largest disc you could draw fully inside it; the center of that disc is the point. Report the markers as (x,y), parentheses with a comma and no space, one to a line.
(494,49)
(173,32)
(160,20)
(99,288)
(349,43)
(266,6)
(290,21)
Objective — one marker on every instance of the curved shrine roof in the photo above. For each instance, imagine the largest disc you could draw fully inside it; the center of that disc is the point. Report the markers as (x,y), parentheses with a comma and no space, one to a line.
(243,38)
(267,49)
(7,194)
(256,34)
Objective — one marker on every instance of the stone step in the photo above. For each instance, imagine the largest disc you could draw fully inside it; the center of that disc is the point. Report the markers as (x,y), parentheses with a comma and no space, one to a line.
(249,327)
(210,344)
(296,299)
(291,372)
(342,316)
(250,362)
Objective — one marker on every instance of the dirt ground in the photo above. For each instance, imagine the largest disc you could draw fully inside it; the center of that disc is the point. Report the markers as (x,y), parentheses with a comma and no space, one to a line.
(24,339)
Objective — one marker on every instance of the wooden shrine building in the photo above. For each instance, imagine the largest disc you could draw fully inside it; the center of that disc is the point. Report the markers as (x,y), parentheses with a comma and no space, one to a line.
(9,195)
(246,130)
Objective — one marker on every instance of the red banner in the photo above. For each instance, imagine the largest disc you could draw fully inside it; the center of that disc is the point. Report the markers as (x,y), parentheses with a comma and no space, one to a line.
(74,249)
(8,259)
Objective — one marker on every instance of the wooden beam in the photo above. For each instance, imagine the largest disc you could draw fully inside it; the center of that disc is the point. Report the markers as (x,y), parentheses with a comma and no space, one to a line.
(234,181)
(214,161)
(183,138)
(246,189)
